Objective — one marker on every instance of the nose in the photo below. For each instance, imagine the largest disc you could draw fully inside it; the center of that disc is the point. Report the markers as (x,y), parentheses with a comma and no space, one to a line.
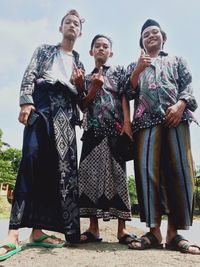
(151,34)
(71,25)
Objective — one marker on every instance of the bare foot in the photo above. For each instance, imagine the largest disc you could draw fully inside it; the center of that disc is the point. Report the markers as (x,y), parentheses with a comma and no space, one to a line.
(122,233)
(50,240)
(179,243)
(147,241)
(190,249)
(11,239)
(95,233)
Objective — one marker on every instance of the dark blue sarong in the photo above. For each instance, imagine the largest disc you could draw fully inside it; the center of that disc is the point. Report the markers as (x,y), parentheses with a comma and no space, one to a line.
(46,191)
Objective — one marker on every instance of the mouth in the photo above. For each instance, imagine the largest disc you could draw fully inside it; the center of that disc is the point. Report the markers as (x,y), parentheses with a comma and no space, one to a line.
(72,30)
(152,41)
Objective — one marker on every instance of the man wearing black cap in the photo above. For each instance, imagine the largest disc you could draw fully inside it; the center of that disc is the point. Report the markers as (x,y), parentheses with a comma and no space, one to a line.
(161,87)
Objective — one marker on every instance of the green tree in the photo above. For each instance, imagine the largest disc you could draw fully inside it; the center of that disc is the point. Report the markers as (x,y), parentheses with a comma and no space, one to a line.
(13,155)
(9,162)
(132,190)
(7,174)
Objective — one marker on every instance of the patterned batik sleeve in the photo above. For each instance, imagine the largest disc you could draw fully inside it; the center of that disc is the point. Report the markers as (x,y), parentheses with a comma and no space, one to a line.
(30,75)
(118,75)
(185,85)
(128,88)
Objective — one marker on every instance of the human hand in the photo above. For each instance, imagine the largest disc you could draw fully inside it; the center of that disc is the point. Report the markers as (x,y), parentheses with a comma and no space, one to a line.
(126,129)
(143,62)
(174,114)
(78,77)
(25,112)
(97,80)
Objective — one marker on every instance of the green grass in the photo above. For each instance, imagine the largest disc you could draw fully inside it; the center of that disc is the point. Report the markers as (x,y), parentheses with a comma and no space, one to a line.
(5,208)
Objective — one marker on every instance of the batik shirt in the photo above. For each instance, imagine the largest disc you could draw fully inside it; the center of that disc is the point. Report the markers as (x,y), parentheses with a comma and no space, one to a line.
(41,63)
(160,86)
(105,115)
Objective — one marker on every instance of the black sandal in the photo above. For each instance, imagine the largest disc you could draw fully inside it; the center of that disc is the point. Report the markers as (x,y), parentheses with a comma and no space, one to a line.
(184,248)
(154,243)
(127,239)
(90,238)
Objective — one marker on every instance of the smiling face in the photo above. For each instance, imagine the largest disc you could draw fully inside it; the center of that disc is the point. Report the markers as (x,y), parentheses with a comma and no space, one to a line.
(71,27)
(101,50)
(152,39)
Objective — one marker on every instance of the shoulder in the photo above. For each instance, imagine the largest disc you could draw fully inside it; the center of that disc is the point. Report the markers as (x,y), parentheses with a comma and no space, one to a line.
(176,59)
(118,69)
(43,48)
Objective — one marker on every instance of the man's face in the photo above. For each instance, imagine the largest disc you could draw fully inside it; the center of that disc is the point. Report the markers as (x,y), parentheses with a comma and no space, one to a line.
(152,39)
(71,27)
(101,50)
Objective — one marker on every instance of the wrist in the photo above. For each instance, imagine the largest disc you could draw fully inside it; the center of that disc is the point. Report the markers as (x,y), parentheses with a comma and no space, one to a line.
(136,72)
(182,103)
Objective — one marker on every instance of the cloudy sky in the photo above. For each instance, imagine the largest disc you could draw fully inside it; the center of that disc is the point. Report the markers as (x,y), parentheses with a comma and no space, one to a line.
(24,25)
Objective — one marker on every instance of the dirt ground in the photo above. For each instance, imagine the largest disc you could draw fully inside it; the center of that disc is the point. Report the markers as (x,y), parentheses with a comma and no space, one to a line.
(108,253)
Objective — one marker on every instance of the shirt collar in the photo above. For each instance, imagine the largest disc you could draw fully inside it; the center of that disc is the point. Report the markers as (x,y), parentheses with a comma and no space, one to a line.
(163,54)
(75,54)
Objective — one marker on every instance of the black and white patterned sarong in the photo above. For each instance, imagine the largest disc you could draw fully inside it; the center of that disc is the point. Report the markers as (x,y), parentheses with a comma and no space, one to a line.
(103,189)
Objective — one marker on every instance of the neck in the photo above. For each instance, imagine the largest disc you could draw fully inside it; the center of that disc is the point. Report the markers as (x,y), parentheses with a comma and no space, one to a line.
(153,53)
(67,45)
(98,64)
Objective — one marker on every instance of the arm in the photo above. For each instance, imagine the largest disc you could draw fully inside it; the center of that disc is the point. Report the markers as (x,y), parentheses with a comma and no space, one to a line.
(127,124)
(27,88)
(133,72)
(185,96)
(185,85)
(96,84)
(30,75)
(143,62)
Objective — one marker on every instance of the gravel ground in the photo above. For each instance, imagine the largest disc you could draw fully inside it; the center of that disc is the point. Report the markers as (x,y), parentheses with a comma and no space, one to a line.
(108,253)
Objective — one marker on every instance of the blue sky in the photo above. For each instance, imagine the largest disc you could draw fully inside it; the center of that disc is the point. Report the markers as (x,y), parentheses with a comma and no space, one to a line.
(27,24)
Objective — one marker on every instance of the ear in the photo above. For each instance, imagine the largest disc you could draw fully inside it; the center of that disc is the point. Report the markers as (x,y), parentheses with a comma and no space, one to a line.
(80,34)
(111,54)
(60,29)
(91,53)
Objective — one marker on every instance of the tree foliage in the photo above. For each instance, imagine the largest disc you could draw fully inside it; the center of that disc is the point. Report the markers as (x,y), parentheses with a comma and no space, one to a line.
(132,190)
(9,162)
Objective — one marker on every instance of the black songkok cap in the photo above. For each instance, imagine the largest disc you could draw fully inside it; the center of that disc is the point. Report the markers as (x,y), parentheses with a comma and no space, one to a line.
(148,23)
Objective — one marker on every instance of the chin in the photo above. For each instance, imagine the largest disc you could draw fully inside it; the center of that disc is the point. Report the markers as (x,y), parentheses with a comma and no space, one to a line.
(70,37)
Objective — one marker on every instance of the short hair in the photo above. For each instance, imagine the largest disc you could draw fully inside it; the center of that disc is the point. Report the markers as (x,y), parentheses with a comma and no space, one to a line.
(164,35)
(100,36)
(73,12)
